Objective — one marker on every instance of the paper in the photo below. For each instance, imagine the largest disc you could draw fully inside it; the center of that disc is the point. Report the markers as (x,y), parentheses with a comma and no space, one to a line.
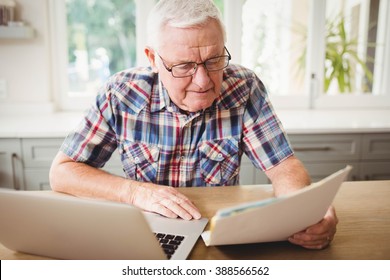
(274,219)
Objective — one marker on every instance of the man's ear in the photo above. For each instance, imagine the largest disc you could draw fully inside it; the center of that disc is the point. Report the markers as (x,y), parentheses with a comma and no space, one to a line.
(150,54)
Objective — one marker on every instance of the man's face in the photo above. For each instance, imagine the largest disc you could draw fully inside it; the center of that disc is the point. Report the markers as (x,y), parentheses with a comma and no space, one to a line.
(180,45)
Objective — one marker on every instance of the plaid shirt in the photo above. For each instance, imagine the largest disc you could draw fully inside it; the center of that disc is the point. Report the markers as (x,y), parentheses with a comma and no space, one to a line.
(157,143)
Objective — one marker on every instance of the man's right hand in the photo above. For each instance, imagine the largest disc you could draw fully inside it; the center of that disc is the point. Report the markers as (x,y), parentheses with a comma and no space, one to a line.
(80,179)
(166,201)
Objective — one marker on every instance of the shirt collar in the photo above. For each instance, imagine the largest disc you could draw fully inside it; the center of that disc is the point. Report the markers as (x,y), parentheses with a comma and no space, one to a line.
(159,96)
(161,99)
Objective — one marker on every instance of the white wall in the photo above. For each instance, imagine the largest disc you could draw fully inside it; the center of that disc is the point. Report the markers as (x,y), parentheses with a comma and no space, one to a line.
(25,63)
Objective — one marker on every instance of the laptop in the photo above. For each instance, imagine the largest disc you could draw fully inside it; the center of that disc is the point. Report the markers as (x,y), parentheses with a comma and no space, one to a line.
(276,218)
(62,226)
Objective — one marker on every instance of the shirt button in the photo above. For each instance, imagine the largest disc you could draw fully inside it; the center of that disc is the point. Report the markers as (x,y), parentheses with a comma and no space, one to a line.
(182,158)
(136,159)
(219,155)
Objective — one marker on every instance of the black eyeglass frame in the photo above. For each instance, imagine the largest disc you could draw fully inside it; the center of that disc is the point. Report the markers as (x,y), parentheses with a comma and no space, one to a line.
(169,69)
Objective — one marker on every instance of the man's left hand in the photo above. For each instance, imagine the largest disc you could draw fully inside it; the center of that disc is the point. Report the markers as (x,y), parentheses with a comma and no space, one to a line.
(320,235)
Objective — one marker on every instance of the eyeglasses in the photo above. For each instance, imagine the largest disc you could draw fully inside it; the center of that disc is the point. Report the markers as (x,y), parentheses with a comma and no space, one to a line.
(187,69)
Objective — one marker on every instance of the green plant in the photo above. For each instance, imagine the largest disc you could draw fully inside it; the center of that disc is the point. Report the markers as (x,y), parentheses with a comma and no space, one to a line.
(340,57)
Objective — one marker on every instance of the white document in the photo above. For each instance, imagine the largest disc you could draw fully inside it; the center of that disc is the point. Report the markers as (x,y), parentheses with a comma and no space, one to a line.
(274,219)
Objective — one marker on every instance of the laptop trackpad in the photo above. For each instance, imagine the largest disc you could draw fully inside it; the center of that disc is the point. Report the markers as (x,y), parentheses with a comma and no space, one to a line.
(188,230)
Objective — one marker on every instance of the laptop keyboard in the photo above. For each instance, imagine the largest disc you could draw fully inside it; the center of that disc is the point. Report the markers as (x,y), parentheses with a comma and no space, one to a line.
(169,242)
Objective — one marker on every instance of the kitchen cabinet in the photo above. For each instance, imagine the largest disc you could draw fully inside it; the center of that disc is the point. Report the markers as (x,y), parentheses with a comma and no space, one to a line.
(38,154)
(25,162)
(11,170)
(324,154)
(249,174)
(375,163)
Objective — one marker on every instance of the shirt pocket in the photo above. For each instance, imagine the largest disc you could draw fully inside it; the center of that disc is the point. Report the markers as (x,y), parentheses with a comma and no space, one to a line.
(140,161)
(219,161)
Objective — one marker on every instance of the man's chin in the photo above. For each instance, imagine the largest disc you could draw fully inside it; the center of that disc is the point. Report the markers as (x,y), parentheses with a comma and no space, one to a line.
(198,107)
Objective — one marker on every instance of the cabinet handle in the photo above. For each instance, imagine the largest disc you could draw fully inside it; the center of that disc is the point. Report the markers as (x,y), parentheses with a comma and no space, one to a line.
(313,149)
(14,157)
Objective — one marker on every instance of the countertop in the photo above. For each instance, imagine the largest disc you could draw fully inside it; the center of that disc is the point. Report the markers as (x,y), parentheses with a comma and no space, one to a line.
(335,121)
(46,125)
(294,121)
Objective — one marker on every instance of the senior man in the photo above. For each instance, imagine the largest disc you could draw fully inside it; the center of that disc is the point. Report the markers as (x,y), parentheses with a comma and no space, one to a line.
(184,121)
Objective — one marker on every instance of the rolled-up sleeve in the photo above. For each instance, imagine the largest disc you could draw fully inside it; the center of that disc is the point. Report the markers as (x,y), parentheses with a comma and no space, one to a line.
(94,140)
(266,142)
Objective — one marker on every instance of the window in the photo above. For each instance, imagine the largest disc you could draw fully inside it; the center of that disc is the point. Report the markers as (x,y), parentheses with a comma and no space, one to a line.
(101,41)
(274,43)
(351,43)
(309,54)
(92,40)
(315,54)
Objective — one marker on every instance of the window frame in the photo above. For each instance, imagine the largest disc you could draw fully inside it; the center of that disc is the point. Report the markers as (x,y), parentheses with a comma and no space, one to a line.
(59,61)
(313,98)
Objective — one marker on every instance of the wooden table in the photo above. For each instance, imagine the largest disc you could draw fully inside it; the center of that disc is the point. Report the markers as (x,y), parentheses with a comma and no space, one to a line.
(363,209)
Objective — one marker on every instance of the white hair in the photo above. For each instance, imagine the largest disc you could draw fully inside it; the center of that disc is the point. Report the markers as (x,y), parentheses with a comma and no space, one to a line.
(181,14)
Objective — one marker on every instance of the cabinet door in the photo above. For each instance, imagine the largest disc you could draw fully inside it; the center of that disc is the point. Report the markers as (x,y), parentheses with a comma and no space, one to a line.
(37,179)
(324,154)
(318,171)
(38,155)
(40,152)
(250,175)
(11,167)
(326,147)
(375,170)
(376,146)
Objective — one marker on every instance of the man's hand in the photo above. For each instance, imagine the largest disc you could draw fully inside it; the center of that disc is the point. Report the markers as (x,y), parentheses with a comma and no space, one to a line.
(80,179)
(166,201)
(320,235)
(291,175)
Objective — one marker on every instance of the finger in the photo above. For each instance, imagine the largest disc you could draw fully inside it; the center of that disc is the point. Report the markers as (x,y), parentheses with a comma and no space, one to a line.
(325,226)
(305,237)
(311,241)
(319,244)
(318,228)
(165,201)
(162,210)
(166,206)
(181,205)
(149,200)
(317,247)
(319,235)
(176,209)
(332,213)
(188,206)
(175,195)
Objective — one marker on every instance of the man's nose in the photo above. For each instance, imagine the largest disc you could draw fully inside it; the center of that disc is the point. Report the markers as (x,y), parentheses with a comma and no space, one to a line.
(201,76)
